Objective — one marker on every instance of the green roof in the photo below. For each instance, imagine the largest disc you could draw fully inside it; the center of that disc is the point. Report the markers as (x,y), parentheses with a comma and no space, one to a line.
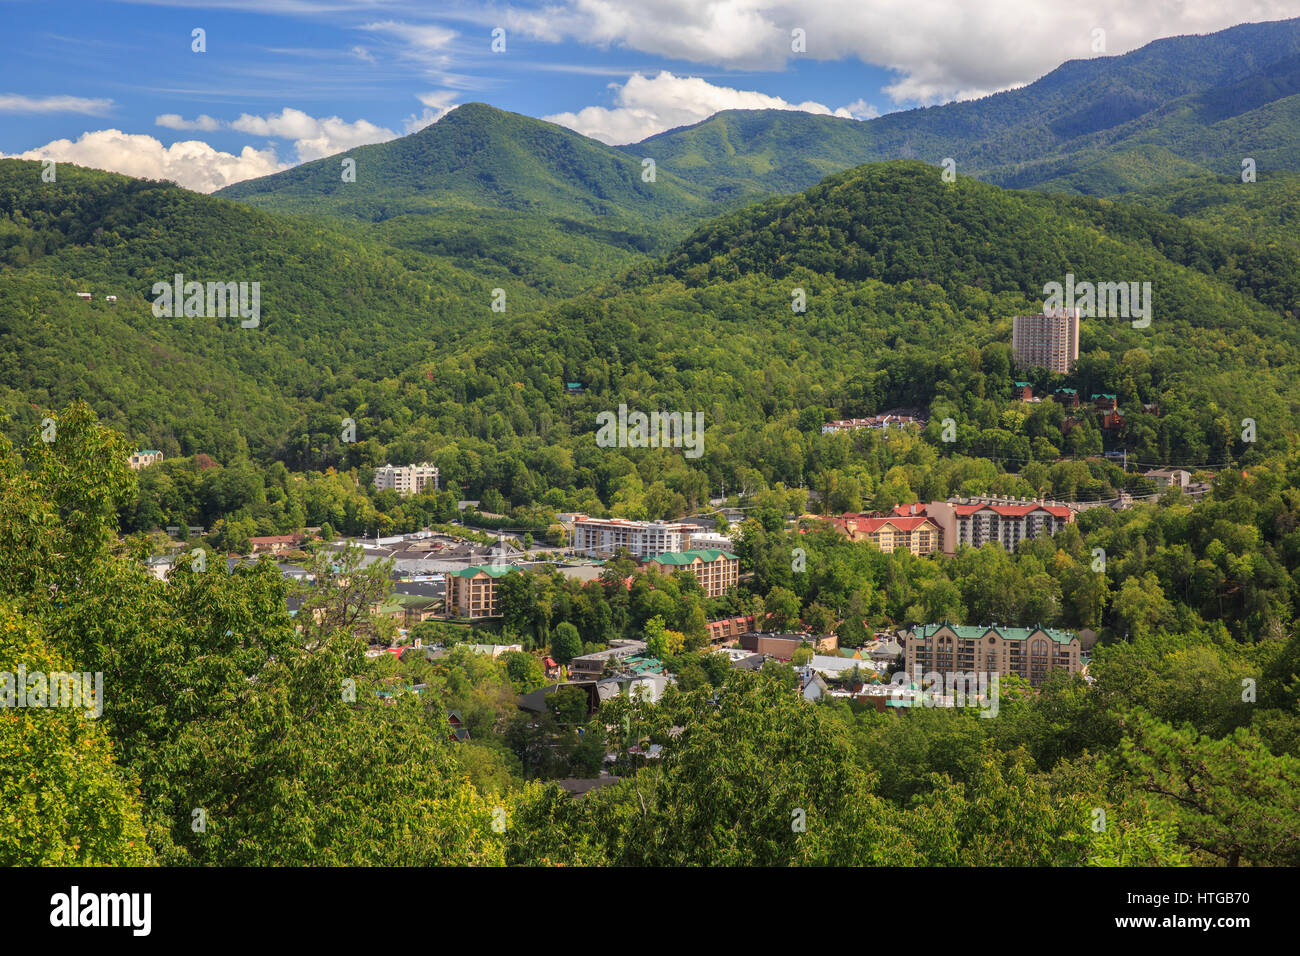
(686,557)
(971,632)
(1069,391)
(1020,384)
(485,568)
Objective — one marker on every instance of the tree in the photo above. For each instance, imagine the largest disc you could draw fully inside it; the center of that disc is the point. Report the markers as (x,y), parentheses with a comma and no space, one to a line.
(566,643)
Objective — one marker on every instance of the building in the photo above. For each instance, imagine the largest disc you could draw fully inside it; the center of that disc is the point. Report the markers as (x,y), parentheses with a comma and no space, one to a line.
(1029,652)
(728,629)
(1023,392)
(894,418)
(143,459)
(783,646)
(406,480)
(590,666)
(602,537)
(717,571)
(1169,477)
(919,534)
(84,296)
(472,592)
(275,543)
(1046,340)
(1007,521)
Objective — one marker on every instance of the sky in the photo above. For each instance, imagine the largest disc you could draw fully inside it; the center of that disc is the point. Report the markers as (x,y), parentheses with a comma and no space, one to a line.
(208,94)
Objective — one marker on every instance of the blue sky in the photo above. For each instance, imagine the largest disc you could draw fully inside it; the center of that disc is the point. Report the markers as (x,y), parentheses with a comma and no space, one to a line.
(117,85)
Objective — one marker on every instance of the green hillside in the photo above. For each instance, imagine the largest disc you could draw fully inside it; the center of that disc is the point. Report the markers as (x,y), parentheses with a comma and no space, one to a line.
(334,308)
(505,194)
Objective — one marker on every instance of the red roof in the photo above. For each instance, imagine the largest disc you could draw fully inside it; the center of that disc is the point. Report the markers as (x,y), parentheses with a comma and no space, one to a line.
(548,662)
(1012,511)
(873,525)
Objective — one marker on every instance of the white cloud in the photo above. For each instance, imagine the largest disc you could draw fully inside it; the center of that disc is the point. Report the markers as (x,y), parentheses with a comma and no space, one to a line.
(192,164)
(312,138)
(862,110)
(424,37)
(175,121)
(649,105)
(16,103)
(436,105)
(941,49)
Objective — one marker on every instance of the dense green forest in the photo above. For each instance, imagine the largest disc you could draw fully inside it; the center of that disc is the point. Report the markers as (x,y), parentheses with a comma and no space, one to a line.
(910,284)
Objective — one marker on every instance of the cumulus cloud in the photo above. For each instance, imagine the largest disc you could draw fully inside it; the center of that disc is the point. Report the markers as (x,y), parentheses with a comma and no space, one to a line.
(175,121)
(312,138)
(436,105)
(940,49)
(16,103)
(649,105)
(192,164)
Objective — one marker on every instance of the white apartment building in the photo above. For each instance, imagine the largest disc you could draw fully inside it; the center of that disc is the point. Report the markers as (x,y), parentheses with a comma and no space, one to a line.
(406,480)
(601,537)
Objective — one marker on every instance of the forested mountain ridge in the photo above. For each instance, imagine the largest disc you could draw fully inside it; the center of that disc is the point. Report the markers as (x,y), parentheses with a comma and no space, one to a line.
(331,305)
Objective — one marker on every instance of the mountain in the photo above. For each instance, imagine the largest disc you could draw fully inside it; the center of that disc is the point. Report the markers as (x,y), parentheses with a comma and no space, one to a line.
(1178,106)
(526,203)
(334,308)
(507,194)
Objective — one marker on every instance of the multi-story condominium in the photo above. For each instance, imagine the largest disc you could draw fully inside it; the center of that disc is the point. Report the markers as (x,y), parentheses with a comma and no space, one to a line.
(916,533)
(601,537)
(1047,340)
(1027,651)
(715,570)
(1006,520)
(406,480)
(472,592)
(143,459)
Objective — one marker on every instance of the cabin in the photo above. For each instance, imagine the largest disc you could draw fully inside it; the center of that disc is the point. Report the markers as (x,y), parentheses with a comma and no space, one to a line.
(110,298)
(84,296)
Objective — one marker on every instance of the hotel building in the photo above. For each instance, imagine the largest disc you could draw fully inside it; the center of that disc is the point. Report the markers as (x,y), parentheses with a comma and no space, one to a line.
(406,480)
(1029,652)
(1046,340)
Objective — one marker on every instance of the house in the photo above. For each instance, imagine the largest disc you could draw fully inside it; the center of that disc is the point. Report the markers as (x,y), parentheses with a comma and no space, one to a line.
(1022,391)
(110,298)
(143,459)
(574,388)
(811,685)
(1169,477)
(1104,400)
(1068,397)
(1111,419)
(84,296)
(275,543)
(456,725)
(550,667)
(894,418)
